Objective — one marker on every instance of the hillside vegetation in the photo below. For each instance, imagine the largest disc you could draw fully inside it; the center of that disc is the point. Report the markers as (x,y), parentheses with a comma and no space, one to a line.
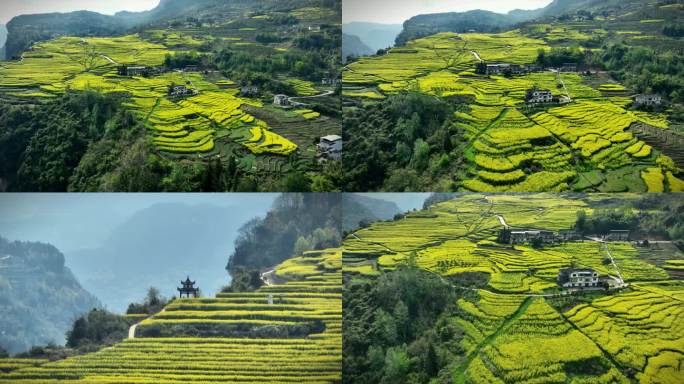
(484,137)
(287,332)
(435,295)
(40,296)
(222,133)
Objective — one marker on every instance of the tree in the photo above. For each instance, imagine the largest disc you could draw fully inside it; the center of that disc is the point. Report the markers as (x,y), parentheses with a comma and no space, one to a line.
(301,245)
(581,222)
(401,317)
(78,332)
(421,155)
(153,297)
(431,361)
(397,365)
(537,243)
(385,327)
(87,57)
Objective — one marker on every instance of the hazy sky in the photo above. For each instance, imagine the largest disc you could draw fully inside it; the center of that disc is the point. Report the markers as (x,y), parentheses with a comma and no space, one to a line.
(405,201)
(11,8)
(73,221)
(397,11)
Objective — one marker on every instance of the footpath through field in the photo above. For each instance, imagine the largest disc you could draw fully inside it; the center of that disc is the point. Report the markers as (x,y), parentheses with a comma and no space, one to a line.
(459,373)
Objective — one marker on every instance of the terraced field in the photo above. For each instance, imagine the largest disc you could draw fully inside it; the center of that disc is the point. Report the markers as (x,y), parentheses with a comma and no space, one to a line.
(583,145)
(185,126)
(519,329)
(213,119)
(233,338)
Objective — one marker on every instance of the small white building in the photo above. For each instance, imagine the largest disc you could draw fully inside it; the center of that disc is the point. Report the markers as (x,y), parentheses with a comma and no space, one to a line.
(649,99)
(281,100)
(538,96)
(578,278)
(330,147)
(180,91)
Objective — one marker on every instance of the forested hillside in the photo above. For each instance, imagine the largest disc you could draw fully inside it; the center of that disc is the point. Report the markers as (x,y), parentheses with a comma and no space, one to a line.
(40,296)
(297,222)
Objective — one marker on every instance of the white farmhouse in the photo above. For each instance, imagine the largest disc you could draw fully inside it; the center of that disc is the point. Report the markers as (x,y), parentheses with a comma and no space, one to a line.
(330,147)
(535,96)
(281,100)
(578,278)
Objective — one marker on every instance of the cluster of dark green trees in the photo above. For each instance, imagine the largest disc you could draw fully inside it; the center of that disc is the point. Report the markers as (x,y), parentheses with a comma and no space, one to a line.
(311,61)
(89,142)
(659,216)
(407,142)
(556,57)
(298,222)
(646,69)
(397,328)
(96,329)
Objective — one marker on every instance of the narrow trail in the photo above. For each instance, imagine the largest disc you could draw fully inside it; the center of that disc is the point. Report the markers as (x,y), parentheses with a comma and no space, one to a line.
(131,331)
(109,59)
(267,277)
(477,56)
(605,352)
(560,79)
(502,221)
(459,375)
(500,116)
(604,246)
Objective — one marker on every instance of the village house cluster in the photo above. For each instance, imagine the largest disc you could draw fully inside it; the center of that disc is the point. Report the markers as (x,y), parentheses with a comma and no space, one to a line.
(527,236)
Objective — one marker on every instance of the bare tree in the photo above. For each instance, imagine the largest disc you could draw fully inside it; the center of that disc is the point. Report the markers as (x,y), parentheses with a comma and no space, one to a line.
(87,58)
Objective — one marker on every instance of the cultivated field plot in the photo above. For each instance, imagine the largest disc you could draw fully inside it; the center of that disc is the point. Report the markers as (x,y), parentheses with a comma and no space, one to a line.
(244,340)
(583,145)
(518,328)
(185,126)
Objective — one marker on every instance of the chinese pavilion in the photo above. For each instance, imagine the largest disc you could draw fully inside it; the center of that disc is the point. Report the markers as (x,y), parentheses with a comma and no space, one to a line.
(188,288)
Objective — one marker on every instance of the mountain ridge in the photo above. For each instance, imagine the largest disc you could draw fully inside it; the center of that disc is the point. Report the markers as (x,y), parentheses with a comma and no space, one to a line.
(375,35)
(358,208)
(353,46)
(41,296)
(24,30)
(147,257)
(487,21)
